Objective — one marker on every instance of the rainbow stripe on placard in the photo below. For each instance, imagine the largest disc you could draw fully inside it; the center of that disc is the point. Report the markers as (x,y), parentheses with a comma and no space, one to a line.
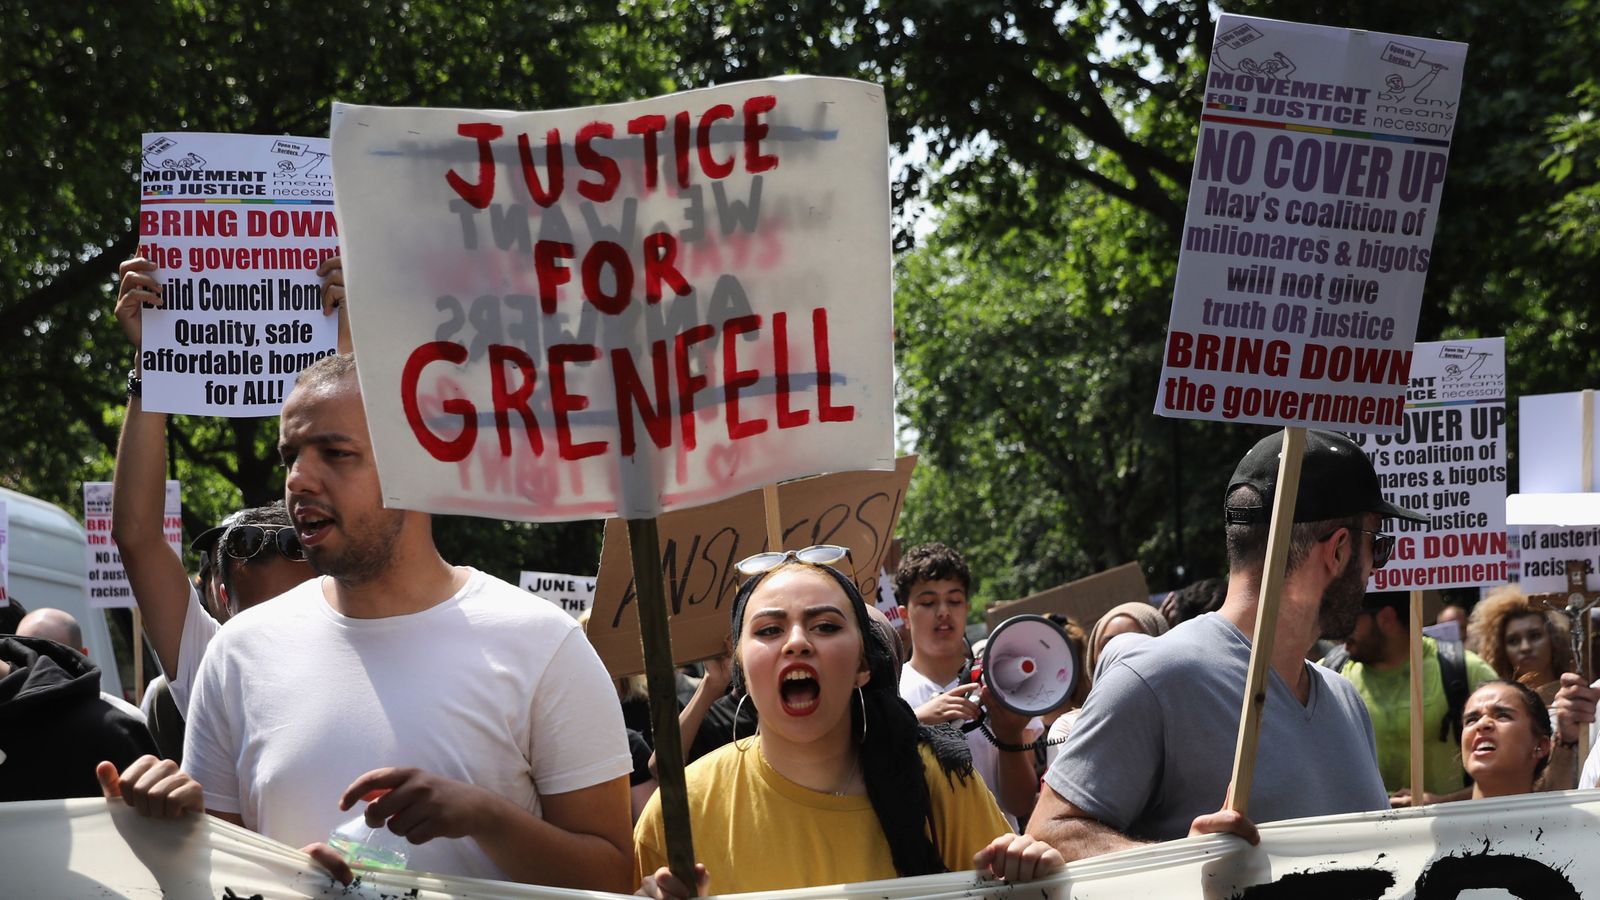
(1455,403)
(1318,129)
(1235,107)
(245,200)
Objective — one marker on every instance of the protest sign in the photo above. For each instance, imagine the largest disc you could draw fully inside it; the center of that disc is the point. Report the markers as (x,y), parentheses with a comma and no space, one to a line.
(1557,510)
(700,547)
(107,581)
(887,602)
(620,310)
(1083,601)
(572,594)
(1317,185)
(1448,462)
(1534,845)
(236,225)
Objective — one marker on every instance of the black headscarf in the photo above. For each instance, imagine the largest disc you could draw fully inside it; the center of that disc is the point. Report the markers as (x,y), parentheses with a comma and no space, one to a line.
(891,763)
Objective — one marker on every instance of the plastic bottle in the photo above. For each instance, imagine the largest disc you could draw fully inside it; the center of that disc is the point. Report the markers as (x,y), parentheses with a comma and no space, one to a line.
(362,845)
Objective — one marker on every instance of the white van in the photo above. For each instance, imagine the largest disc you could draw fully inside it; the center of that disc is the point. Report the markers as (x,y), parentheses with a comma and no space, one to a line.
(49,566)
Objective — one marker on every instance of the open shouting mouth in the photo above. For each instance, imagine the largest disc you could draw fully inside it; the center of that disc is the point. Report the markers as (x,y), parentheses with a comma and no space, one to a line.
(799,689)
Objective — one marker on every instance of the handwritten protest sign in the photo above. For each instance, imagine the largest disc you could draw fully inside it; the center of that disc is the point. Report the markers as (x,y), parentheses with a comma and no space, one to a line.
(107,580)
(1447,462)
(700,546)
(1309,231)
(236,225)
(573,594)
(620,310)
(1084,600)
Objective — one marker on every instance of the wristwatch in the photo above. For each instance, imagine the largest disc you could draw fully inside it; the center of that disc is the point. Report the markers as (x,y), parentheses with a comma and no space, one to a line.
(135,384)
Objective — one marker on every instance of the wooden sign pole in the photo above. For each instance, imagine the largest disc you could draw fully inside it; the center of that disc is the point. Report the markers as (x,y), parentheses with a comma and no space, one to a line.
(769,497)
(1418,797)
(138,657)
(1255,686)
(644,545)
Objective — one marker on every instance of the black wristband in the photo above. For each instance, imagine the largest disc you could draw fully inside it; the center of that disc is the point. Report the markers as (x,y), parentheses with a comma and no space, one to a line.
(135,384)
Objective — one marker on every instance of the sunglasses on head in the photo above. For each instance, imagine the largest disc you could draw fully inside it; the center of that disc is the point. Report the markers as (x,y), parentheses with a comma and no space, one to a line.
(815,555)
(246,542)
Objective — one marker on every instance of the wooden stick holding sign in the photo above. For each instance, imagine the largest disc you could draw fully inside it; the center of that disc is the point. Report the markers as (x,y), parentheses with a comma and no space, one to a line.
(1255,685)
(1417,795)
(644,544)
(769,500)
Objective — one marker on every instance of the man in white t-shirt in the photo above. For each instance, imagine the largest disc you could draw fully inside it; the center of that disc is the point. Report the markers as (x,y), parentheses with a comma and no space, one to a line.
(932,583)
(482,727)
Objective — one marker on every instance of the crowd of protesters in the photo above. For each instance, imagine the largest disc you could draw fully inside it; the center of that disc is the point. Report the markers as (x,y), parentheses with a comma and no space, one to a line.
(328,660)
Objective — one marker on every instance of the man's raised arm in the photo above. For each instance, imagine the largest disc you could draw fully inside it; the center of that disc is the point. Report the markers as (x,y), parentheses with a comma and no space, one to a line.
(138,506)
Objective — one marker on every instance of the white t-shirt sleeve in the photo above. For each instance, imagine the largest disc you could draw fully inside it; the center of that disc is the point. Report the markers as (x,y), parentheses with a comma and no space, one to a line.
(198,630)
(577,739)
(210,749)
(1590,775)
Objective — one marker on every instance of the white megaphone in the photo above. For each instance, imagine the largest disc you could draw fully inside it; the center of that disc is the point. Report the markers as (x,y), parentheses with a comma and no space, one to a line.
(1028,665)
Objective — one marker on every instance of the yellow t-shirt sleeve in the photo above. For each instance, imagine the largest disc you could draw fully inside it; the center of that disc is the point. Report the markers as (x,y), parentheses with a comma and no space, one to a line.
(649,841)
(964,812)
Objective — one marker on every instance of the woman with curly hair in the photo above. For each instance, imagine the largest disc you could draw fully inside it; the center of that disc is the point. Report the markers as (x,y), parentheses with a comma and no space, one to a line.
(1522,641)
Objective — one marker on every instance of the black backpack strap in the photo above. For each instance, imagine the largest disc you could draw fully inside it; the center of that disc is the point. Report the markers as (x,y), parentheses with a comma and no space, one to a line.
(1336,659)
(1453,674)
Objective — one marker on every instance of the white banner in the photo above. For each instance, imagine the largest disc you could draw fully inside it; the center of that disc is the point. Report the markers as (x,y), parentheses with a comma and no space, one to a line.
(1317,185)
(573,594)
(1537,845)
(1545,552)
(620,310)
(107,580)
(1448,462)
(236,225)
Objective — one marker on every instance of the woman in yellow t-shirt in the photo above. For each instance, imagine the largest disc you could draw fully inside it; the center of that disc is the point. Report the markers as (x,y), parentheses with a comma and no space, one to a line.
(840,784)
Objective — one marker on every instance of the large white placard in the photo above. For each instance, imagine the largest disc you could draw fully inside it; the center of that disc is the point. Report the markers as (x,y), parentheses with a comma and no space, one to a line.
(1536,845)
(236,225)
(572,594)
(1317,186)
(620,310)
(107,580)
(1448,462)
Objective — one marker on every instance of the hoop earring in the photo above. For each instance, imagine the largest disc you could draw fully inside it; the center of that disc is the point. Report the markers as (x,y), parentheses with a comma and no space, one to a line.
(863,701)
(737,709)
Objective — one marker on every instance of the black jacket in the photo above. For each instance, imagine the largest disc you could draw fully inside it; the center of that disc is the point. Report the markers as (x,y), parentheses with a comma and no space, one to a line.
(54,727)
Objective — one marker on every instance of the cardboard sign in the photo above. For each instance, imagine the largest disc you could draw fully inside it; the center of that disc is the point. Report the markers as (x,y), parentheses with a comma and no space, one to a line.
(236,225)
(107,580)
(573,594)
(1309,231)
(1448,462)
(1083,601)
(620,310)
(701,546)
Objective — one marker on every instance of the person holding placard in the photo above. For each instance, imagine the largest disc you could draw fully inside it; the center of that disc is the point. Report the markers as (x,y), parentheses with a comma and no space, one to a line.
(505,760)
(1572,711)
(1376,657)
(841,783)
(1150,757)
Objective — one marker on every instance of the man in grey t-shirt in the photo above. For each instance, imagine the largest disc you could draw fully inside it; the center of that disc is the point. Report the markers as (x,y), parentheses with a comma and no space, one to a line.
(1151,756)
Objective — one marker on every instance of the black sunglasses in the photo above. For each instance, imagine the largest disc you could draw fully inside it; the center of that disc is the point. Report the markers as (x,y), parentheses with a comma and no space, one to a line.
(1382,545)
(245,542)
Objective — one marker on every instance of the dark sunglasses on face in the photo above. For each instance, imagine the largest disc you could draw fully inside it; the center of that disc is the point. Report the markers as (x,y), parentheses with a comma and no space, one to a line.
(1382,545)
(246,542)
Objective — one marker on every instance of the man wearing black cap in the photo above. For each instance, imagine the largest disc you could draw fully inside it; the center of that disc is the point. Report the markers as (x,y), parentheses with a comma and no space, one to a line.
(1376,657)
(1151,756)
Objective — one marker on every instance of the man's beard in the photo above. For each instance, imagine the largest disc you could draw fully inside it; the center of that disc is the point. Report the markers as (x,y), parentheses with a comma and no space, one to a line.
(1341,602)
(366,555)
